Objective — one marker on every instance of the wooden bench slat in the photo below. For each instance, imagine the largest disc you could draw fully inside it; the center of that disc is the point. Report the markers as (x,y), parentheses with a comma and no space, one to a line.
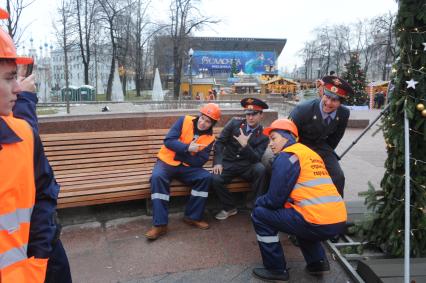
(88,150)
(122,153)
(103,140)
(107,134)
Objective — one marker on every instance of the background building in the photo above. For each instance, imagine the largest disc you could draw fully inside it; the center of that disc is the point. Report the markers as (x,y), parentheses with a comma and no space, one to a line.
(218,56)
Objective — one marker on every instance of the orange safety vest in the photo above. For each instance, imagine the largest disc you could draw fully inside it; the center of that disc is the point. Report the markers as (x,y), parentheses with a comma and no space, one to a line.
(17,198)
(186,137)
(315,196)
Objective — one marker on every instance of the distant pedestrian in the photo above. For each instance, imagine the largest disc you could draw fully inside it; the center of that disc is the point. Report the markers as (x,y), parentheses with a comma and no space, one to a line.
(380,99)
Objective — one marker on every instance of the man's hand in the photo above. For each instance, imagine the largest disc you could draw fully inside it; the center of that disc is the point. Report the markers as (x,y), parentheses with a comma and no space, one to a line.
(27,84)
(195,147)
(242,138)
(217,169)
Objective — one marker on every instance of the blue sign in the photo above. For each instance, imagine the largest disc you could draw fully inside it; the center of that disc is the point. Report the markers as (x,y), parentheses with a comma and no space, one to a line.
(250,62)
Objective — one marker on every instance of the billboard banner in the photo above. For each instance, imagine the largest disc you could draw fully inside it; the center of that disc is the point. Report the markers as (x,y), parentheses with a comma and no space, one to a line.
(250,62)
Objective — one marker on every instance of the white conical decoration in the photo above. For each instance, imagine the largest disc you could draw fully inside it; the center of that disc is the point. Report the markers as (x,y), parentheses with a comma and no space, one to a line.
(157,90)
(100,86)
(42,95)
(117,89)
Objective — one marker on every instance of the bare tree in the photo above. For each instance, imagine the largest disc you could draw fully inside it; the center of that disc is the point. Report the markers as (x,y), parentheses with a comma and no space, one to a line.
(111,9)
(144,32)
(184,18)
(85,20)
(15,8)
(385,30)
(64,34)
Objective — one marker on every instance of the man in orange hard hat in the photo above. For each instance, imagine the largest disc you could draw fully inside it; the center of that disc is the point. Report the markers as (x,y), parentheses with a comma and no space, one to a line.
(301,200)
(28,193)
(185,150)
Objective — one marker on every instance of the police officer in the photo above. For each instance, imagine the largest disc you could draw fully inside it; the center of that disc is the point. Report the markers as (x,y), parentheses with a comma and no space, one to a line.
(186,149)
(322,123)
(301,200)
(238,153)
(28,192)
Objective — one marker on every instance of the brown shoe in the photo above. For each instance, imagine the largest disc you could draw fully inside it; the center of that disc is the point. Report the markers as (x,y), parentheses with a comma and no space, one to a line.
(199,224)
(155,232)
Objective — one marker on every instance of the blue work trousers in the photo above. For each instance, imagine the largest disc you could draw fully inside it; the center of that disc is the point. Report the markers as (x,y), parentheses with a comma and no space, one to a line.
(58,268)
(267,223)
(162,174)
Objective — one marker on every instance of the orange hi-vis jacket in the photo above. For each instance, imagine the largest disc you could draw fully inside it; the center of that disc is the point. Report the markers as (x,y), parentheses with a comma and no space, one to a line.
(17,198)
(187,136)
(314,196)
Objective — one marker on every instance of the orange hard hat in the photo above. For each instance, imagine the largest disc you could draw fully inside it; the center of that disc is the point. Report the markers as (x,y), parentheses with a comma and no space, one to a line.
(3,14)
(7,47)
(282,124)
(211,110)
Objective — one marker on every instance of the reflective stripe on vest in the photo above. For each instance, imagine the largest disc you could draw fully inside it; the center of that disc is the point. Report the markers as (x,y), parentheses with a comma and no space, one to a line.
(314,195)
(187,135)
(12,256)
(268,239)
(11,221)
(17,194)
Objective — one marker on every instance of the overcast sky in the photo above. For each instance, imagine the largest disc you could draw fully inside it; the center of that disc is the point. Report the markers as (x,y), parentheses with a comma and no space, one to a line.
(290,19)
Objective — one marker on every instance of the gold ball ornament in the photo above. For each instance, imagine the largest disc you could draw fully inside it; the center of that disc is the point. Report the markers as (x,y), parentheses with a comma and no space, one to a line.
(420,107)
(424,113)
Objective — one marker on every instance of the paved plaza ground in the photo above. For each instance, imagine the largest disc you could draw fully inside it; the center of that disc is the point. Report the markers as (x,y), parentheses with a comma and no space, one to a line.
(106,243)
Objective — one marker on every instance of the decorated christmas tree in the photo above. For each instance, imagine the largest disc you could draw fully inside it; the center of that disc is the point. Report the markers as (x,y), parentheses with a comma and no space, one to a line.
(386,227)
(356,78)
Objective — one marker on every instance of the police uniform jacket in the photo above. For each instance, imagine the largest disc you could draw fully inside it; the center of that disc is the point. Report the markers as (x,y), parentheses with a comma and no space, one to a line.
(228,149)
(313,131)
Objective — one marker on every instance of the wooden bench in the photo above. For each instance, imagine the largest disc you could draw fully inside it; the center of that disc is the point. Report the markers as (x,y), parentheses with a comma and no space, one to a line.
(112,166)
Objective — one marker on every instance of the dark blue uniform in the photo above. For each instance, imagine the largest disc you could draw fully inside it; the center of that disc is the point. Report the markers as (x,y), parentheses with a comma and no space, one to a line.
(44,231)
(193,175)
(238,161)
(321,137)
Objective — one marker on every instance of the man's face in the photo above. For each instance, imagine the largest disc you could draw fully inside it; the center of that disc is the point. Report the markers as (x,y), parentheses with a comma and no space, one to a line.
(276,142)
(204,123)
(9,87)
(254,118)
(329,104)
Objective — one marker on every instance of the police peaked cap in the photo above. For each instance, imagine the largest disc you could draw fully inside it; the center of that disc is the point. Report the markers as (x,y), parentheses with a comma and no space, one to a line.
(252,104)
(337,86)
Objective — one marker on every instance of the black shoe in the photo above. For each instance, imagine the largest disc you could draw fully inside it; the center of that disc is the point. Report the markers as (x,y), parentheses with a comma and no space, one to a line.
(319,267)
(269,275)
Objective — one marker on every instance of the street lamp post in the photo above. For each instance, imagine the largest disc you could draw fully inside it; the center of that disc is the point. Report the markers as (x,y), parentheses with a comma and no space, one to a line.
(190,53)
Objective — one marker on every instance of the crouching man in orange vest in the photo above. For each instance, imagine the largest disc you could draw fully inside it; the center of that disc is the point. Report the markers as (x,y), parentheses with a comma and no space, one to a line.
(301,200)
(28,232)
(186,149)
